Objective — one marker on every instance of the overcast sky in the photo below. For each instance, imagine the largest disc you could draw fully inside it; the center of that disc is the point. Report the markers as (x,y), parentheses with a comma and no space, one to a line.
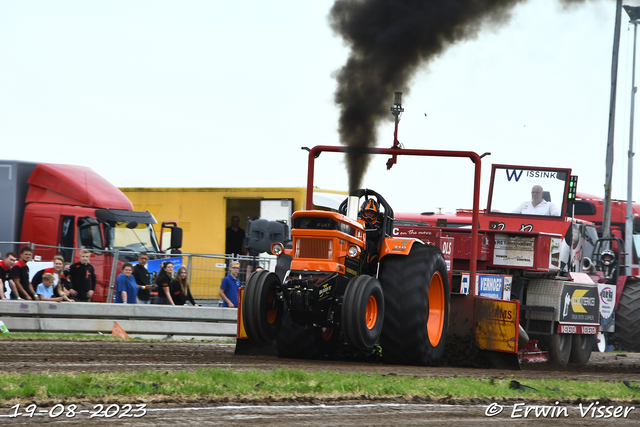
(224,94)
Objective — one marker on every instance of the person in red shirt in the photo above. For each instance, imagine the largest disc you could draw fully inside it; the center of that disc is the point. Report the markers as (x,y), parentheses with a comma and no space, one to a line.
(20,274)
(5,277)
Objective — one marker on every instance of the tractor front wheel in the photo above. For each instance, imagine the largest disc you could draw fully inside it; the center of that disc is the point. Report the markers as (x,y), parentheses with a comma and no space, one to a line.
(262,311)
(363,312)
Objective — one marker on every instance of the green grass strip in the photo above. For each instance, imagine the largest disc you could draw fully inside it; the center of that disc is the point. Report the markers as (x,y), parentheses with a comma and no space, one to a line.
(282,383)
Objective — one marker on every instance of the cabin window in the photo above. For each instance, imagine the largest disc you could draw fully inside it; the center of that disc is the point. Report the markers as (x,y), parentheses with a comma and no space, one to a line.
(528,191)
(67,238)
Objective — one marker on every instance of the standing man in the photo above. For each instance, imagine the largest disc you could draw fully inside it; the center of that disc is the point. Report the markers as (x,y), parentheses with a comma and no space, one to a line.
(5,275)
(126,287)
(230,285)
(235,238)
(82,277)
(20,275)
(143,280)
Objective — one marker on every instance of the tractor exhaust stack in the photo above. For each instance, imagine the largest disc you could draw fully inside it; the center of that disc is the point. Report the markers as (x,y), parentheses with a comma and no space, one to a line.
(396,111)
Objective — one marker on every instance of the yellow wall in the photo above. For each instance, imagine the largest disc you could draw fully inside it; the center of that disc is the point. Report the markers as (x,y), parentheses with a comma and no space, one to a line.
(202,212)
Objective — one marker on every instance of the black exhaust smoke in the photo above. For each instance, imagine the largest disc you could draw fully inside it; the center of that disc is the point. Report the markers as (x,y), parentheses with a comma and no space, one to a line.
(389,41)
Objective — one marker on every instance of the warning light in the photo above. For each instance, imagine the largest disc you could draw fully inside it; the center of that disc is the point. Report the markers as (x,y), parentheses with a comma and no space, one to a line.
(573,185)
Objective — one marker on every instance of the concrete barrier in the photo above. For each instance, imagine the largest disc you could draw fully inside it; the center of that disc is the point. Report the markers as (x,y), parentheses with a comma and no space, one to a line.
(42,316)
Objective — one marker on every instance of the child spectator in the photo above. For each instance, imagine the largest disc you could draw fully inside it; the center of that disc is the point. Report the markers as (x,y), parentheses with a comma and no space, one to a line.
(180,291)
(230,285)
(45,289)
(126,287)
(59,281)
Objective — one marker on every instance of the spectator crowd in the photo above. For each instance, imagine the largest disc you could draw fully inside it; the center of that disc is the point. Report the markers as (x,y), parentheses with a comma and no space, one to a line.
(77,282)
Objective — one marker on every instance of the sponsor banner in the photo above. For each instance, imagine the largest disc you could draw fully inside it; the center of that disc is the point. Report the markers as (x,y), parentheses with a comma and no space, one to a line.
(513,250)
(607,299)
(554,253)
(607,294)
(492,286)
(497,325)
(153,265)
(580,304)
(577,329)
(464,283)
(446,246)
(323,291)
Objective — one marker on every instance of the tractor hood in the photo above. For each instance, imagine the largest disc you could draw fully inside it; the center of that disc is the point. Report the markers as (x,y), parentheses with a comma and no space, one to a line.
(74,185)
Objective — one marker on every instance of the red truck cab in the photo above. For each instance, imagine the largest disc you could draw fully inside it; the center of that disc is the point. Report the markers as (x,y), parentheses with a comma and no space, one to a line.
(57,207)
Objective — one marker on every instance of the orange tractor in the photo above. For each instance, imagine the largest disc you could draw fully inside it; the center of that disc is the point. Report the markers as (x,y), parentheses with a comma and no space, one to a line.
(347,280)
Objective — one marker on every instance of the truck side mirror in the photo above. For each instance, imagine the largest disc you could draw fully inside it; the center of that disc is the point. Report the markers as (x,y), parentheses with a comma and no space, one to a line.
(176,237)
(107,234)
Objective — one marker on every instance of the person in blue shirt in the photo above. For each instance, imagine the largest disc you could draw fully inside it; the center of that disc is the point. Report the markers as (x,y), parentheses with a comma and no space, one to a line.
(45,290)
(230,285)
(126,287)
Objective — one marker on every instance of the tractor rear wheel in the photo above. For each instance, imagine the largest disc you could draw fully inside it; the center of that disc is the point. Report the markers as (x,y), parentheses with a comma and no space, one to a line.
(363,312)
(558,345)
(416,290)
(628,317)
(581,347)
(262,311)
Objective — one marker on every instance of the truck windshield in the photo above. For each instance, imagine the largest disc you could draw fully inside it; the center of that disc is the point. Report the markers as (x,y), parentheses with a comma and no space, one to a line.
(138,239)
(528,191)
(636,244)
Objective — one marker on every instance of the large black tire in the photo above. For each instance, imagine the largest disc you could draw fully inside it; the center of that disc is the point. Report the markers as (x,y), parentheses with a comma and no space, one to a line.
(415,333)
(297,342)
(363,312)
(557,345)
(581,347)
(262,311)
(628,317)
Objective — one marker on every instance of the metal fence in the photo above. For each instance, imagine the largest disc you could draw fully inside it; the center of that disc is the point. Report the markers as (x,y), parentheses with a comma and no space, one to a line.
(205,271)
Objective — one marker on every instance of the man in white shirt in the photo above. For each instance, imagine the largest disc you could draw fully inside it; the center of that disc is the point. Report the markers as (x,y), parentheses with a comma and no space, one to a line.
(537,205)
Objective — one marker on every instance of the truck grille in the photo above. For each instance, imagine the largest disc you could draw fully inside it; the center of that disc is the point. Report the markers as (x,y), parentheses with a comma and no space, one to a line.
(314,248)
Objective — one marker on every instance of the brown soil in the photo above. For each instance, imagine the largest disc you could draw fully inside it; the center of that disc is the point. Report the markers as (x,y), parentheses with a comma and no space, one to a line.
(95,356)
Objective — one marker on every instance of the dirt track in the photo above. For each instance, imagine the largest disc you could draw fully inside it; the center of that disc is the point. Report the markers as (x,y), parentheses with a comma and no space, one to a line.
(113,356)
(59,356)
